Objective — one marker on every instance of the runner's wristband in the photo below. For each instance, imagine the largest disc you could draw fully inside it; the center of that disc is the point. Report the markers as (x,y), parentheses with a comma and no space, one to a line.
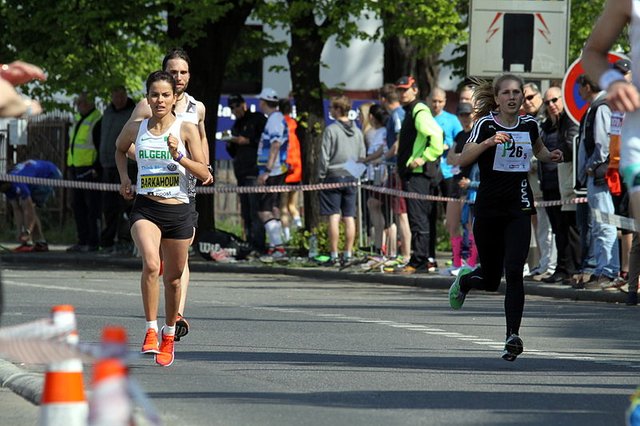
(609,77)
(178,158)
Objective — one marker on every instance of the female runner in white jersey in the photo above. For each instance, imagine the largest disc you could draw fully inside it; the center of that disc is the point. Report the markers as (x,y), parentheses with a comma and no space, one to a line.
(502,142)
(161,218)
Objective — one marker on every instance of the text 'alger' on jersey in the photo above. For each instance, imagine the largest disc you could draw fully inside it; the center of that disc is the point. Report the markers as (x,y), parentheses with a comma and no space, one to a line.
(158,173)
(504,188)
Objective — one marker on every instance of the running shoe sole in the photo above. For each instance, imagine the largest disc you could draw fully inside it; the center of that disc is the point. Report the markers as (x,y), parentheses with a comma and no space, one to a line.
(150,351)
(182,328)
(512,348)
(163,362)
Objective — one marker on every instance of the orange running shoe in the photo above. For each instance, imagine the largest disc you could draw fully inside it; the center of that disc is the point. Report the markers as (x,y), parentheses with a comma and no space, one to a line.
(182,327)
(150,344)
(166,356)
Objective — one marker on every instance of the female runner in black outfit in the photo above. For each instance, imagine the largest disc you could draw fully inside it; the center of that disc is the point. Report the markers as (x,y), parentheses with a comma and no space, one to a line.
(502,143)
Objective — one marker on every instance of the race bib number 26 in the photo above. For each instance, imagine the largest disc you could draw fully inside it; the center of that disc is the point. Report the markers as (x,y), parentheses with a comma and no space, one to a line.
(514,155)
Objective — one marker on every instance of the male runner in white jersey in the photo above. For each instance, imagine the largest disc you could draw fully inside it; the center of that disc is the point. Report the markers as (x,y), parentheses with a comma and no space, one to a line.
(622,95)
(177,63)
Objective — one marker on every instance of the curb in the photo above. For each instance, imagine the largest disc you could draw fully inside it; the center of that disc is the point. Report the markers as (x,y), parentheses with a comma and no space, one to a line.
(24,383)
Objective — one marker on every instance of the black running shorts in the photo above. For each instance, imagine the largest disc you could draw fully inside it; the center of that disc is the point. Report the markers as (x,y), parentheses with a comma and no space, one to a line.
(174,220)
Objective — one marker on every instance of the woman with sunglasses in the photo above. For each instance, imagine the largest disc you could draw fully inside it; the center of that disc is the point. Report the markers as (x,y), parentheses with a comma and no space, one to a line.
(557,131)
(533,106)
(532,103)
(502,142)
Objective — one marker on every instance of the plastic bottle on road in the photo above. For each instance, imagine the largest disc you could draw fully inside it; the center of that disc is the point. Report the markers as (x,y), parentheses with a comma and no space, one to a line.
(313,246)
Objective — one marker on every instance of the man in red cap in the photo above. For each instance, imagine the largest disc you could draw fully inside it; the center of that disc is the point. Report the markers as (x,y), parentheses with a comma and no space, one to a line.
(419,149)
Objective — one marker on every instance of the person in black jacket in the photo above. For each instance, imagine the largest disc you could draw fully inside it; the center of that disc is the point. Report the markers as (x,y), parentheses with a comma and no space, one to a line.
(243,148)
(113,206)
(557,132)
(420,146)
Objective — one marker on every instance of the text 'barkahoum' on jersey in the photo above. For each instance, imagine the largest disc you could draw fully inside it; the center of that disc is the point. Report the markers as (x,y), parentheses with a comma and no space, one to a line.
(160,181)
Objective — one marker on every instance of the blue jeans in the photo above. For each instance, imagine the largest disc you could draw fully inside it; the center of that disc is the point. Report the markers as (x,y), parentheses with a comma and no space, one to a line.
(583,221)
(605,236)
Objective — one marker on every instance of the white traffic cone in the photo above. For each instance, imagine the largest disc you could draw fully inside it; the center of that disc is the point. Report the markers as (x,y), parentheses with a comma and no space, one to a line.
(63,401)
(110,403)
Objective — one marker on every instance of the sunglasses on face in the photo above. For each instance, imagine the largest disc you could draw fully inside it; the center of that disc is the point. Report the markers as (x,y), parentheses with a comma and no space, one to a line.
(530,97)
(551,101)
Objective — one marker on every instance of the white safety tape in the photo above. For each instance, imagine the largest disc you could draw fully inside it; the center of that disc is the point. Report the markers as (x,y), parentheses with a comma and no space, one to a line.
(412,195)
(101,186)
(618,221)
(577,200)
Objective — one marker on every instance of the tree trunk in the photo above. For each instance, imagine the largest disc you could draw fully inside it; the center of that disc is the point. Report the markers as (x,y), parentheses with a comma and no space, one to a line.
(209,56)
(399,59)
(304,61)
(427,73)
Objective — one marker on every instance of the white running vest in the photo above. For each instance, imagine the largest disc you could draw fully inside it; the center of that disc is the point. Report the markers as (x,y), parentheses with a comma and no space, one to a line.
(190,115)
(158,173)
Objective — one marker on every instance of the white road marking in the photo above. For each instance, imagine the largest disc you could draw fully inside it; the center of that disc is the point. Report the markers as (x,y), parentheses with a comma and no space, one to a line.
(74,289)
(493,344)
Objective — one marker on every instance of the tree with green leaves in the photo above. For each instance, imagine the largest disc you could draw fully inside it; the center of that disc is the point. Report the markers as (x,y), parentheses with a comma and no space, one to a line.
(415,34)
(583,17)
(90,46)
(84,46)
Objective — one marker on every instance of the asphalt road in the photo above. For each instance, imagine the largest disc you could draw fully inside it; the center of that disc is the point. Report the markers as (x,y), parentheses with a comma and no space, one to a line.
(284,350)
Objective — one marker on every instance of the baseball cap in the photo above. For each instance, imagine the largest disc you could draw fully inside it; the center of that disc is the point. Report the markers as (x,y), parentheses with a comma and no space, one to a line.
(622,65)
(268,94)
(405,82)
(235,99)
(464,108)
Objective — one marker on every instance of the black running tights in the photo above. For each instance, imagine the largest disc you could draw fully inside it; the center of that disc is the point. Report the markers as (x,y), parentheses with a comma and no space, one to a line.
(503,246)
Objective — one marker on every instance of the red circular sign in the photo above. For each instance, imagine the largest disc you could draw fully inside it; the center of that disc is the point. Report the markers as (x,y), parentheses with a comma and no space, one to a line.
(574,105)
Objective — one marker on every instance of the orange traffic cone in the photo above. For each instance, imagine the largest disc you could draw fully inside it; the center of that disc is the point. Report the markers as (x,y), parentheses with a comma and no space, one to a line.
(63,400)
(110,403)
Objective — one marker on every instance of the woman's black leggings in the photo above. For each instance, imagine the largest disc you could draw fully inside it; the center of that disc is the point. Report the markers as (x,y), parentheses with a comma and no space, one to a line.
(503,245)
